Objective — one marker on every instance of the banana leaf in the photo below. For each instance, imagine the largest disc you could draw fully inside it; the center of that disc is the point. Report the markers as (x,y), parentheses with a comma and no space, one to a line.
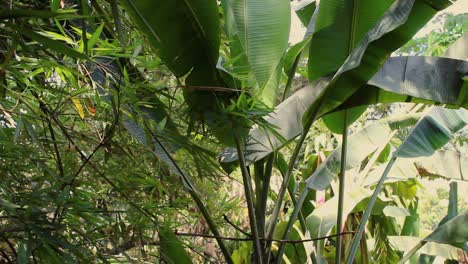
(287,116)
(304,10)
(340,26)
(453,232)
(406,243)
(431,132)
(442,164)
(263,31)
(397,25)
(191,44)
(361,144)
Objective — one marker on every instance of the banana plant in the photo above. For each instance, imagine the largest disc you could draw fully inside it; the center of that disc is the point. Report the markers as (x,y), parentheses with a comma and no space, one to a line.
(339,67)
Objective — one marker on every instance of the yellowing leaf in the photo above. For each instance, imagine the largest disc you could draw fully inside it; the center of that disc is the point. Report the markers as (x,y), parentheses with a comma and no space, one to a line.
(78,107)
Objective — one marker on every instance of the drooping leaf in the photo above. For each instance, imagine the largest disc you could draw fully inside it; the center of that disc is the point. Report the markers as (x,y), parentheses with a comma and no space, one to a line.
(454,233)
(352,19)
(432,132)
(415,79)
(360,144)
(287,115)
(429,134)
(192,42)
(405,243)
(398,24)
(443,164)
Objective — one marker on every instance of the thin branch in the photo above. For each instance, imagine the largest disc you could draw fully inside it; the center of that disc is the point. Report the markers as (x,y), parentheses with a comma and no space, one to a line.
(287,241)
(236,227)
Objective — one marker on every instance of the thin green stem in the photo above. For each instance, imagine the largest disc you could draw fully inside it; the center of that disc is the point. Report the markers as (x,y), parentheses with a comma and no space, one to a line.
(284,183)
(259,169)
(365,216)
(292,219)
(339,222)
(250,200)
(412,251)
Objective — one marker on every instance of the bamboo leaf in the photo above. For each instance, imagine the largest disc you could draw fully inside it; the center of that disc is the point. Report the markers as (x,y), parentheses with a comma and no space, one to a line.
(52,44)
(78,107)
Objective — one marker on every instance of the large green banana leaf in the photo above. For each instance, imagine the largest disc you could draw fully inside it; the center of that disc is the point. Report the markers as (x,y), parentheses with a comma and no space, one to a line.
(415,79)
(431,133)
(398,24)
(340,26)
(442,164)
(453,232)
(372,94)
(263,31)
(360,144)
(406,87)
(323,219)
(185,34)
(406,243)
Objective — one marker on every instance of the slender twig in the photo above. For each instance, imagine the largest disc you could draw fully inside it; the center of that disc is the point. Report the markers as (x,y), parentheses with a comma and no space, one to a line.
(250,200)
(339,222)
(236,227)
(287,241)
(210,88)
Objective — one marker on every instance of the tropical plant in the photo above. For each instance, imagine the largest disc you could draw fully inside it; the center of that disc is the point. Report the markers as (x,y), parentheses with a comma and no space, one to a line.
(118,130)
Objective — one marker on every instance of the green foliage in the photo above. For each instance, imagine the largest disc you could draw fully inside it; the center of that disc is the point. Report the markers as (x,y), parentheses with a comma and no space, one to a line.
(103,159)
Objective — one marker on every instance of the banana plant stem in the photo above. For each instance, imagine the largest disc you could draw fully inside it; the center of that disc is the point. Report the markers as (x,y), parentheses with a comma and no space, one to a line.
(367,212)
(339,222)
(250,200)
(284,183)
